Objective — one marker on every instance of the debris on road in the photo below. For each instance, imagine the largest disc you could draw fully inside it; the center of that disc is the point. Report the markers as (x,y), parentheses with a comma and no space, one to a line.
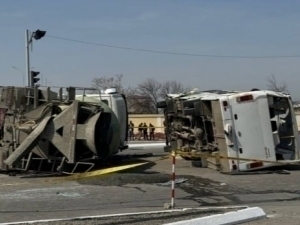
(177,181)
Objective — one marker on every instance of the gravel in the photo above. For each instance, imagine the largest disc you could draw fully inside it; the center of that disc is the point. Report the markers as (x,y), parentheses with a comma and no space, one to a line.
(145,219)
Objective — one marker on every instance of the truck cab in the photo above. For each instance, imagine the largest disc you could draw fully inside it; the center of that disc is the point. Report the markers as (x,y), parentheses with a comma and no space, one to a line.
(117,102)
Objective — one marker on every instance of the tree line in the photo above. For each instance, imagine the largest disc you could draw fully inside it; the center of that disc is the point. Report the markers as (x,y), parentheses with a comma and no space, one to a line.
(143,98)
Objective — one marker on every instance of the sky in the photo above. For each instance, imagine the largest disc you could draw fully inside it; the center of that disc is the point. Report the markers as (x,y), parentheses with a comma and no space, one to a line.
(212,27)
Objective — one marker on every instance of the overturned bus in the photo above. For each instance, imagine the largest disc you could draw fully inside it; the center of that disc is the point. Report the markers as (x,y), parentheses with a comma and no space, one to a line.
(232,131)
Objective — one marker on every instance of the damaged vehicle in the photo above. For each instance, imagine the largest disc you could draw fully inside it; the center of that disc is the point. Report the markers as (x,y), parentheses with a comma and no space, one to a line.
(232,131)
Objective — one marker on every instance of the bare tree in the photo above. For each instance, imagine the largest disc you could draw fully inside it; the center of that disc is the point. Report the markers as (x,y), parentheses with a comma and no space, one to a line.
(274,86)
(171,87)
(149,90)
(138,104)
(144,97)
(109,82)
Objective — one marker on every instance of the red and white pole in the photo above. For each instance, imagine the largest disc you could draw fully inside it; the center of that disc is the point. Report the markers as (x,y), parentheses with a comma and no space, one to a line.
(173,180)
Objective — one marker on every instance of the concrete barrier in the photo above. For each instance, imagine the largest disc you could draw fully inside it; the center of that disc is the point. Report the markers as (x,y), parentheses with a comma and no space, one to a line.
(230,218)
(120,214)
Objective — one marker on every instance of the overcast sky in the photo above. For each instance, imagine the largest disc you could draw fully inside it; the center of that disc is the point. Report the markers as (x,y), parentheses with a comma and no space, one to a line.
(242,28)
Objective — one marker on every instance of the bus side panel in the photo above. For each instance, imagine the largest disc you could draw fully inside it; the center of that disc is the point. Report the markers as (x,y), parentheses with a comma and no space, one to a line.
(253,131)
(223,164)
(296,131)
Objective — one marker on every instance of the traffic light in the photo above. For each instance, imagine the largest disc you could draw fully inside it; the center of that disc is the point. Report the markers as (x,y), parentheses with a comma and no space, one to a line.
(38,34)
(34,79)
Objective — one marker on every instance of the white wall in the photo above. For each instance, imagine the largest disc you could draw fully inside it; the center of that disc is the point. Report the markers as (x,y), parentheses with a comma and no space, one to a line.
(298,121)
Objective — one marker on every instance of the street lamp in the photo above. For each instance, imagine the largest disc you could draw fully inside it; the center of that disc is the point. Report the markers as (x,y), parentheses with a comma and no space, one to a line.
(48,82)
(38,34)
(23,74)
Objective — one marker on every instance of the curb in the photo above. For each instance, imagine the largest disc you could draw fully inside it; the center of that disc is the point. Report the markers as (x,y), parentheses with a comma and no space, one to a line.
(230,218)
(122,214)
(138,145)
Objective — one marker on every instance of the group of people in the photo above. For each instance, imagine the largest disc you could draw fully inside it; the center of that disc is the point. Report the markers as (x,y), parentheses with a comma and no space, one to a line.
(142,131)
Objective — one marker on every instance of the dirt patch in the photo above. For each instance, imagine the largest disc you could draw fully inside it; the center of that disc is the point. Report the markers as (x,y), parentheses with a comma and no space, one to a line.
(120,179)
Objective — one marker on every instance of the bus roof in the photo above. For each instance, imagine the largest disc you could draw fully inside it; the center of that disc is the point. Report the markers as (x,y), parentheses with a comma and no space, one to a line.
(216,94)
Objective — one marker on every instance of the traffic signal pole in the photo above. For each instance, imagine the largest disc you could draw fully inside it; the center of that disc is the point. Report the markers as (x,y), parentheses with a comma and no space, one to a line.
(27,58)
(38,34)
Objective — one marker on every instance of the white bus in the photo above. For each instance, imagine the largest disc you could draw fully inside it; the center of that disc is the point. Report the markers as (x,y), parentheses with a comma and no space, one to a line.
(243,126)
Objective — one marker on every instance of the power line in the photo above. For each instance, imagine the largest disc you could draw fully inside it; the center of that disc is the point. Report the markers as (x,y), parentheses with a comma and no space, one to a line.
(174,53)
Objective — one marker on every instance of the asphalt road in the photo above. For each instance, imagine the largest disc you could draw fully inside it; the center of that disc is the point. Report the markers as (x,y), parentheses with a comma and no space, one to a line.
(145,189)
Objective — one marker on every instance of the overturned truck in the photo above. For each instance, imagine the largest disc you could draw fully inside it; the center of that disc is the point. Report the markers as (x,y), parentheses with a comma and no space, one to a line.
(232,131)
(44,130)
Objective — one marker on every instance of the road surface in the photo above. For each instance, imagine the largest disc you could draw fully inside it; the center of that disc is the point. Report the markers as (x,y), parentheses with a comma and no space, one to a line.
(146,189)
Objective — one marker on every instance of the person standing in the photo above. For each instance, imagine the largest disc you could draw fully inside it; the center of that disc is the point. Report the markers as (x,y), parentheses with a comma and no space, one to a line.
(151,129)
(131,131)
(145,130)
(140,131)
(166,133)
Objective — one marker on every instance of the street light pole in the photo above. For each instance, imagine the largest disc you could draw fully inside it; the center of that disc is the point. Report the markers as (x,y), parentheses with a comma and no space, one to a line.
(22,74)
(38,34)
(27,57)
(42,79)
